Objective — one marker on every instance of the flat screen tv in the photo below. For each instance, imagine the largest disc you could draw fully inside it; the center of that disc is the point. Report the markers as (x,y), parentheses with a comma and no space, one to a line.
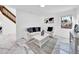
(50,29)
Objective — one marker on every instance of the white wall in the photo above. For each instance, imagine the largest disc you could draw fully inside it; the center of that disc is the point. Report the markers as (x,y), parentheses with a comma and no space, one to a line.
(25,20)
(62,31)
(57,23)
(8,27)
(8,35)
(77,15)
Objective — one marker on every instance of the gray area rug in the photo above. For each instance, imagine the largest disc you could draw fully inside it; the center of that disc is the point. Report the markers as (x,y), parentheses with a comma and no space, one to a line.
(46,48)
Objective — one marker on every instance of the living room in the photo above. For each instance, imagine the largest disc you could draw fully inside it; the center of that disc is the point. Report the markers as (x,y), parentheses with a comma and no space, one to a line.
(32,17)
(52,29)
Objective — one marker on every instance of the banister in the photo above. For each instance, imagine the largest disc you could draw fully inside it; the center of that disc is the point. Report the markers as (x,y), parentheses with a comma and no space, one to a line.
(8,13)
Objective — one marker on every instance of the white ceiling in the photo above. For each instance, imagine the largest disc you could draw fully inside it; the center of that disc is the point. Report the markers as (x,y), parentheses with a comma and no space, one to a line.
(36,9)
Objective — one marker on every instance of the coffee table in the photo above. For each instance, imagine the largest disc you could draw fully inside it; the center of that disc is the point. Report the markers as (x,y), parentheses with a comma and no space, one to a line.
(41,39)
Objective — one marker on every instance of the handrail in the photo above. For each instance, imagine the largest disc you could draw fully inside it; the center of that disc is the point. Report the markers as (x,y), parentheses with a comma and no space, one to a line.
(7,13)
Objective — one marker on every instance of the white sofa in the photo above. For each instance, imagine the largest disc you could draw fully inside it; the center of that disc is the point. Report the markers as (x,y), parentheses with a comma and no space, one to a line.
(30,35)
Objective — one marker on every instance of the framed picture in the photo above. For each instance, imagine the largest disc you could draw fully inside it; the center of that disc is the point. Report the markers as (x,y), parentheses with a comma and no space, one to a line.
(66,22)
(49,20)
(76,28)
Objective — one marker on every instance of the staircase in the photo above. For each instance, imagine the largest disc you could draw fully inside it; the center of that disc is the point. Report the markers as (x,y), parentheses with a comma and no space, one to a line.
(7,13)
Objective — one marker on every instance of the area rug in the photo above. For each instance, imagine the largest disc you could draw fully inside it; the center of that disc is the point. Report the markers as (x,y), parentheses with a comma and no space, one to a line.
(46,48)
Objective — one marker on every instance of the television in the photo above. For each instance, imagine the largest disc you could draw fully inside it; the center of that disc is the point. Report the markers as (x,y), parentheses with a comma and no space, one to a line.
(50,29)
